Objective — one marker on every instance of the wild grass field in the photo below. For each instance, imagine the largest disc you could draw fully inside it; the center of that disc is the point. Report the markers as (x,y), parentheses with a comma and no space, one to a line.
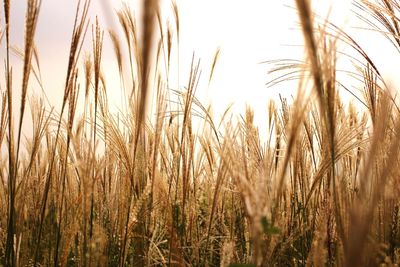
(172,185)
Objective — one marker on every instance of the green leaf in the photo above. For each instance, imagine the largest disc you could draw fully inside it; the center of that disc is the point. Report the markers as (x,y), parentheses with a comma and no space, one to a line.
(268,228)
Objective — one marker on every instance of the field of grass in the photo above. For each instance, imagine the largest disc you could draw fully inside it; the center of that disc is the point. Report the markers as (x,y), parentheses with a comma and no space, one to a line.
(172,186)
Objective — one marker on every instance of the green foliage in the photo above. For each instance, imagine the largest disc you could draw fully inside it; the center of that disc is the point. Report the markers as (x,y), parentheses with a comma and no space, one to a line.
(268,228)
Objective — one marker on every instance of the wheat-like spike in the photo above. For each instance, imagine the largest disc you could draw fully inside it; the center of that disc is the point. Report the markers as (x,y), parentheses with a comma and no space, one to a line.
(32,15)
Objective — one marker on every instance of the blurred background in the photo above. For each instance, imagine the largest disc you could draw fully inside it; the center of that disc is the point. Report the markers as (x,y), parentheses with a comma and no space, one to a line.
(247,33)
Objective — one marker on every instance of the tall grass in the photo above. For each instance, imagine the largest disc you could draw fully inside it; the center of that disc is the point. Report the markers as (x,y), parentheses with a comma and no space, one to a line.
(172,186)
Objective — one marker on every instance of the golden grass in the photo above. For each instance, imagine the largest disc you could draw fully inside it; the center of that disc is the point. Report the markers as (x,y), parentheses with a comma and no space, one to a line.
(154,187)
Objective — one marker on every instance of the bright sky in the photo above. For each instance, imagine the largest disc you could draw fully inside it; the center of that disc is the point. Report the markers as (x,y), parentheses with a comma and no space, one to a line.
(247,31)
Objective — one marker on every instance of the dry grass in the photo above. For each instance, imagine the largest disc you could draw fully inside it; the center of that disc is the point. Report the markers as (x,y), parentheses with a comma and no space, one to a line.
(90,187)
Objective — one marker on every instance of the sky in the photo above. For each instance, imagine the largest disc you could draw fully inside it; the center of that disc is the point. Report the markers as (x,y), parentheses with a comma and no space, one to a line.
(247,32)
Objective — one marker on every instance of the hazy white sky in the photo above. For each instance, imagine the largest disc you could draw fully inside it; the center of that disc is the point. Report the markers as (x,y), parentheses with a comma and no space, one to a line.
(247,31)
